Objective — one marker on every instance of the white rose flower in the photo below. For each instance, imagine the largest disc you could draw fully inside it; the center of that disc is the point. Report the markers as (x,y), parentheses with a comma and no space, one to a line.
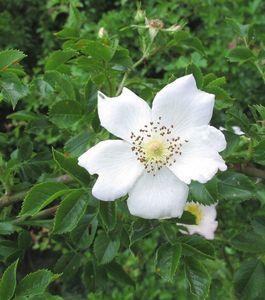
(205,220)
(161,150)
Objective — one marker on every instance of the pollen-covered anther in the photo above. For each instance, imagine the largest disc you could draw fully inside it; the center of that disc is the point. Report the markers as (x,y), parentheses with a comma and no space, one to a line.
(155,146)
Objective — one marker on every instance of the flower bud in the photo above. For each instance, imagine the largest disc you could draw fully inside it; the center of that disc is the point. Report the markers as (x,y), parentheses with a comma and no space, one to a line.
(139,16)
(102,32)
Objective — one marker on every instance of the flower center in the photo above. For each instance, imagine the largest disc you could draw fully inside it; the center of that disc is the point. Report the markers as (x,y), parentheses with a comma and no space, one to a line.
(154,149)
(156,146)
(195,209)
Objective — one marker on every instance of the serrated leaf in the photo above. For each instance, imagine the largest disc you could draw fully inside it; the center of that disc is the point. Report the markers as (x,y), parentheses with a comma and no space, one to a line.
(167,260)
(198,277)
(97,50)
(12,88)
(84,233)
(258,225)
(77,144)
(9,57)
(204,193)
(235,186)
(197,246)
(241,54)
(69,164)
(70,211)
(249,242)
(68,264)
(116,272)
(196,71)
(107,212)
(249,279)
(40,196)
(105,249)
(8,282)
(57,58)
(65,113)
(194,43)
(140,228)
(35,283)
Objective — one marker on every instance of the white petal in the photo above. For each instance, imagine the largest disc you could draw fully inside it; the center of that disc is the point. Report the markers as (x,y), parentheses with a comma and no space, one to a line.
(182,105)
(209,212)
(199,159)
(116,166)
(123,114)
(157,197)
(205,229)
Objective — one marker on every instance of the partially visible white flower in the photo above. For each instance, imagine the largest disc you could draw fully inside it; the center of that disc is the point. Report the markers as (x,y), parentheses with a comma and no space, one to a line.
(161,150)
(237,130)
(205,219)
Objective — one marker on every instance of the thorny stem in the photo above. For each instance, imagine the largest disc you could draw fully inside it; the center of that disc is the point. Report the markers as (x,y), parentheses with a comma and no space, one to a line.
(9,199)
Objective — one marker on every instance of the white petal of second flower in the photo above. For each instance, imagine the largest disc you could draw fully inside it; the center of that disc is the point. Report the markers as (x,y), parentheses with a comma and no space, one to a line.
(182,105)
(116,165)
(199,159)
(123,114)
(158,197)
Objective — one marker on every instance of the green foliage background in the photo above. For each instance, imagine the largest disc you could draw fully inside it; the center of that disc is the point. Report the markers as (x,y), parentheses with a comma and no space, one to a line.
(56,240)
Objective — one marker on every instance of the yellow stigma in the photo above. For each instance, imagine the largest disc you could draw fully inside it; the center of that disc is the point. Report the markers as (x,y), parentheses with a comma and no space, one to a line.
(195,209)
(154,150)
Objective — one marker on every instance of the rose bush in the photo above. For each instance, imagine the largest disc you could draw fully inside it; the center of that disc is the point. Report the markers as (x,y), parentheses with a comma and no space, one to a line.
(80,82)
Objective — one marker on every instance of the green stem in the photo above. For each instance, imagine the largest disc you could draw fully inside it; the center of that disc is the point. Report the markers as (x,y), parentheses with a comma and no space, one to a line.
(9,199)
(146,54)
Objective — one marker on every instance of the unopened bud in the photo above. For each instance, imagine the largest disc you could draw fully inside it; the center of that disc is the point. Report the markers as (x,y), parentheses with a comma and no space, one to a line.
(139,16)
(102,32)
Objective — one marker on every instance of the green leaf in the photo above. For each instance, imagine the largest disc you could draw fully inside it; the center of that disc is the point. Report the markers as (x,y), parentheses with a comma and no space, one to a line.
(241,55)
(40,196)
(8,282)
(204,193)
(78,144)
(258,153)
(107,212)
(7,228)
(223,99)
(116,272)
(62,83)
(69,165)
(249,242)
(186,218)
(58,58)
(169,230)
(105,249)
(141,228)
(198,277)
(65,113)
(12,88)
(9,57)
(249,279)
(196,71)
(235,186)
(84,233)
(194,43)
(258,225)
(167,260)
(97,50)
(25,149)
(197,246)
(70,211)
(68,264)
(35,283)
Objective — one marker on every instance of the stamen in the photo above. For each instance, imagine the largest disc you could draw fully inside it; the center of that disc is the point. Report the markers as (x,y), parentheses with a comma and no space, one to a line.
(155,147)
